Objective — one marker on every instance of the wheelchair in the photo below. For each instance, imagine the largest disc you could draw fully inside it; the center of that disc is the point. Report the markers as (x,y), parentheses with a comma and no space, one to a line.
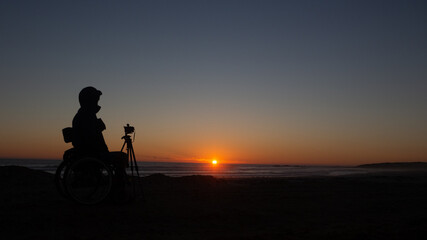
(90,180)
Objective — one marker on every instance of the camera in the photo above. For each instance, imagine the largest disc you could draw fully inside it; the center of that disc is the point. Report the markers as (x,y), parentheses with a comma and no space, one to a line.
(129,129)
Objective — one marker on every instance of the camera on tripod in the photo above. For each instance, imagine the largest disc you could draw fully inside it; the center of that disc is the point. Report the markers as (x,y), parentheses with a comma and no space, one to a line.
(129,129)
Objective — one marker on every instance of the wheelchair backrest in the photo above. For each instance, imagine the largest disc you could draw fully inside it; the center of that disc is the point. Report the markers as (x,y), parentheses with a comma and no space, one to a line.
(68,134)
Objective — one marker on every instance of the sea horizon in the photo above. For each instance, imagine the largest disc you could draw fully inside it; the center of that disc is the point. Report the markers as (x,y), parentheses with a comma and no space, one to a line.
(223,170)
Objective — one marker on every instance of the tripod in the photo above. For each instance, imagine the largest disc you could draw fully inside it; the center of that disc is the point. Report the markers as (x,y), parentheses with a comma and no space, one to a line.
(131,161)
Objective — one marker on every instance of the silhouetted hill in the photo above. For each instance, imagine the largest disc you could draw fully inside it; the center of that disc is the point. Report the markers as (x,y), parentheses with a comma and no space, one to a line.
(24,177)
(397,165)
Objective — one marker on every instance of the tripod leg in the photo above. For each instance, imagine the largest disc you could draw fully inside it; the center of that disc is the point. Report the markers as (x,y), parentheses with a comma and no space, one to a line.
(134,160)
(123,146)
(132,153)
(132,167)
(129,157)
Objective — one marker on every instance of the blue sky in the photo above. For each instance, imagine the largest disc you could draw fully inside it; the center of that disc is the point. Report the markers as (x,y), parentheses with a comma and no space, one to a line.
(337,82)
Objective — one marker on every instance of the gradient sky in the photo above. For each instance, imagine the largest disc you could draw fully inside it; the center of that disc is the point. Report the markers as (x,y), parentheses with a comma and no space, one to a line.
(292,82)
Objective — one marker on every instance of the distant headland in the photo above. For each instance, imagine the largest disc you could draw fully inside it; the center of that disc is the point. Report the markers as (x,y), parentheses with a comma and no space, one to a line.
(396,165)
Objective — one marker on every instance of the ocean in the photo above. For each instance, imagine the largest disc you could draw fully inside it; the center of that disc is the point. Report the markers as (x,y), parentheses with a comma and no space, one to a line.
(174,169)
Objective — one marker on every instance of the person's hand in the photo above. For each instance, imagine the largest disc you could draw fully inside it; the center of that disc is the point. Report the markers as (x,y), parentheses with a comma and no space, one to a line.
(101,125)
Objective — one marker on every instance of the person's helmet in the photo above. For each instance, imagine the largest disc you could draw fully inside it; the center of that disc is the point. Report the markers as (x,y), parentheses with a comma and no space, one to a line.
(89,96)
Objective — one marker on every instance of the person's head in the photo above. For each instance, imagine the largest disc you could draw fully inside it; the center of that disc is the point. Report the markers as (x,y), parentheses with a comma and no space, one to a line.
(89,97)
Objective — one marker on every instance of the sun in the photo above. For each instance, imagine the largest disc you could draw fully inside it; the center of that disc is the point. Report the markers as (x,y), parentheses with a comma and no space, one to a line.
(214,162)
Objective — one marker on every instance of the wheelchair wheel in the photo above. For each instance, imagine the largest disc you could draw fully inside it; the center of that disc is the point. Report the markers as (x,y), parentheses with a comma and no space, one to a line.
(88,181)
(59,178)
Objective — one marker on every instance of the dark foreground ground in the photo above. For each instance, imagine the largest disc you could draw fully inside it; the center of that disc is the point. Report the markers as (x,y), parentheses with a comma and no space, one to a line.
(380,206)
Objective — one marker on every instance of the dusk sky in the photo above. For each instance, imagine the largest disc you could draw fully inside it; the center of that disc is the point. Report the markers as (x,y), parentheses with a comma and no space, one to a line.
(282,82)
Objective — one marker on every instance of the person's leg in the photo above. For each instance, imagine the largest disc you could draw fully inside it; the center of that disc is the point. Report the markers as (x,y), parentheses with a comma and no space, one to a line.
(119,161)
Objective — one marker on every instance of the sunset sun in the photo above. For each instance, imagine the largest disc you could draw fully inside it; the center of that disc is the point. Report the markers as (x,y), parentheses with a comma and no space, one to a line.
(214,162)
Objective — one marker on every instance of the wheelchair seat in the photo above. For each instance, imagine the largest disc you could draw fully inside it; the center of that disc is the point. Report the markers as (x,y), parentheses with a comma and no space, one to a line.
(71,154)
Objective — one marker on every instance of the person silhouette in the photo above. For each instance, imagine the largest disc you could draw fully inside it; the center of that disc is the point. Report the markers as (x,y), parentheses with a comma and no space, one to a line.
(88,139)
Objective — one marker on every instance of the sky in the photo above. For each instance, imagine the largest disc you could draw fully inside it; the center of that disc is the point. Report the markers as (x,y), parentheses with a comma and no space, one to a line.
(268,82)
